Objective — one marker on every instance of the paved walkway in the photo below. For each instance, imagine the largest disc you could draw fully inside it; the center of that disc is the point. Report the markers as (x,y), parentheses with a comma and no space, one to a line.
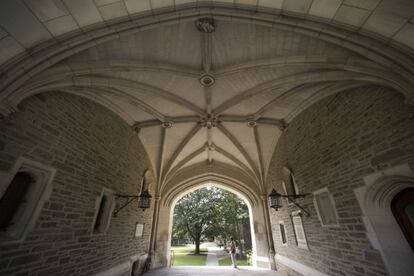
(212,259)
(214,253)
(211,271)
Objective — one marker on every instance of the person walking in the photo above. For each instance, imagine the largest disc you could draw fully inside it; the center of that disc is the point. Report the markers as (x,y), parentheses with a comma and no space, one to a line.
(233,246)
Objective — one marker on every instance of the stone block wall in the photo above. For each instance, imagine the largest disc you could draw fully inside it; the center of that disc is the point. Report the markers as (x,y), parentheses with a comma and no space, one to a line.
(91,148)
(333,144)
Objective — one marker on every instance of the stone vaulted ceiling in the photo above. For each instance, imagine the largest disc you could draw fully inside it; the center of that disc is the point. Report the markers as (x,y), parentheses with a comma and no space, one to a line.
(392,20)
(208,89)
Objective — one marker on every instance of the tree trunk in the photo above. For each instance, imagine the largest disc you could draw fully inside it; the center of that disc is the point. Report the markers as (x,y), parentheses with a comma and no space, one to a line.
(197,246)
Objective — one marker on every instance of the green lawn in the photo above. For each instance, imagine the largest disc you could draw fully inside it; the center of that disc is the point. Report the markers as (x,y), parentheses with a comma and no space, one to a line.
(188,259)
(184,256)
(227,262)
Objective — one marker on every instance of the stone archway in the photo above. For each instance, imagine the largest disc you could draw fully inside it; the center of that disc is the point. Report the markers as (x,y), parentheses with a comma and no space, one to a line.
(223,187)
(382,228)
(258,222)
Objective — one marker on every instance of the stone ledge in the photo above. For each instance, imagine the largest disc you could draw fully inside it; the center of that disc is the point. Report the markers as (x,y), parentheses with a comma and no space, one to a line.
(301,268)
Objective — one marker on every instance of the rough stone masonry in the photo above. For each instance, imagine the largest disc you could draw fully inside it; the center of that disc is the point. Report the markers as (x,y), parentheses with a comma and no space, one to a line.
(91,148)
(334,144)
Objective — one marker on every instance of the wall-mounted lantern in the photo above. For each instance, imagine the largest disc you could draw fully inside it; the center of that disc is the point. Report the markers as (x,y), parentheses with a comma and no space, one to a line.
(275,200)
(143,199)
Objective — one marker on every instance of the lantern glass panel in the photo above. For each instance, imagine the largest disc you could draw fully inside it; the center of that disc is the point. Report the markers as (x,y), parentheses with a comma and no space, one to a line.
(143,203)
(275,202)
(144,200)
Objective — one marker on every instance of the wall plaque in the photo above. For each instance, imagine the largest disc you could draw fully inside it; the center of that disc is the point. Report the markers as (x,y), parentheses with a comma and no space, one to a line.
(299,231)
(139,229)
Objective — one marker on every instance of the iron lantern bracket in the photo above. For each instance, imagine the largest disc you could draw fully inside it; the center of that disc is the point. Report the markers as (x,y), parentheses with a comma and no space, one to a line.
(293,199)
(128,198)
(274,195)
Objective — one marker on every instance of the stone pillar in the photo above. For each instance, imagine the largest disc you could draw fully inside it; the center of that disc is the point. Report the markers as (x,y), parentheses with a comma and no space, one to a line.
(266,214)
(260,237)
(151,254)
(162,240)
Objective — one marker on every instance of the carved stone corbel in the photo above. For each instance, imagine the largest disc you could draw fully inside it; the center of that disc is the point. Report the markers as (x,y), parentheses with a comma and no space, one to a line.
(136,128)
(205,25)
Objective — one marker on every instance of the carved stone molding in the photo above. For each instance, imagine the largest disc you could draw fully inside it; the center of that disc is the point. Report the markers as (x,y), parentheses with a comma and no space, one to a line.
(207,80)
(251,123)
(209,121)
(382,229)
(211,147)
(205,25)
(381,193)
(168,124)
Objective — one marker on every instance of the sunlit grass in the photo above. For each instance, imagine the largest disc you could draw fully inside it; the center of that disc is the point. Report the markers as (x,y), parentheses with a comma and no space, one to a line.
(184,256)
(190,260)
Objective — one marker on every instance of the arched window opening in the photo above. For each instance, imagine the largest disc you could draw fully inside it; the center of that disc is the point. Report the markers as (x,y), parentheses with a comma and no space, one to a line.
(99,217)
(282,230)
(13,198)
(288,182)
(103,212)
(402,207)
(23,193)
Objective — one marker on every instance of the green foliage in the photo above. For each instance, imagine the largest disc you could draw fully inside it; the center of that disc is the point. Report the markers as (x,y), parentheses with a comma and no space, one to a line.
(211,213)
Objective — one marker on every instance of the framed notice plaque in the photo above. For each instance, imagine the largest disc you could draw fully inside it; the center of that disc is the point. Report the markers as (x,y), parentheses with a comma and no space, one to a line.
(139,229)
(299,231)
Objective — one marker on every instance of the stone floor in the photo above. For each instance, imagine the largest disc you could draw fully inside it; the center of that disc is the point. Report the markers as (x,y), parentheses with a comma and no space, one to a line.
(211,271)
(214,254)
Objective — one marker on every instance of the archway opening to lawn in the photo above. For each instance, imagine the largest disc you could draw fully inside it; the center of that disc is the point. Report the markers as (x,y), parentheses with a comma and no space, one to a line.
(204,220)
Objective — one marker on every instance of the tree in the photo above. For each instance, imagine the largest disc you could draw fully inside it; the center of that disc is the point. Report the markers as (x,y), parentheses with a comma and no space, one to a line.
(235,218)
(211,213)
(195,213)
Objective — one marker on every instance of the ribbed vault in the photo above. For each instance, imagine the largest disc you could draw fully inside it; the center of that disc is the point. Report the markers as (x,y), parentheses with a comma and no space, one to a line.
(261,72)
